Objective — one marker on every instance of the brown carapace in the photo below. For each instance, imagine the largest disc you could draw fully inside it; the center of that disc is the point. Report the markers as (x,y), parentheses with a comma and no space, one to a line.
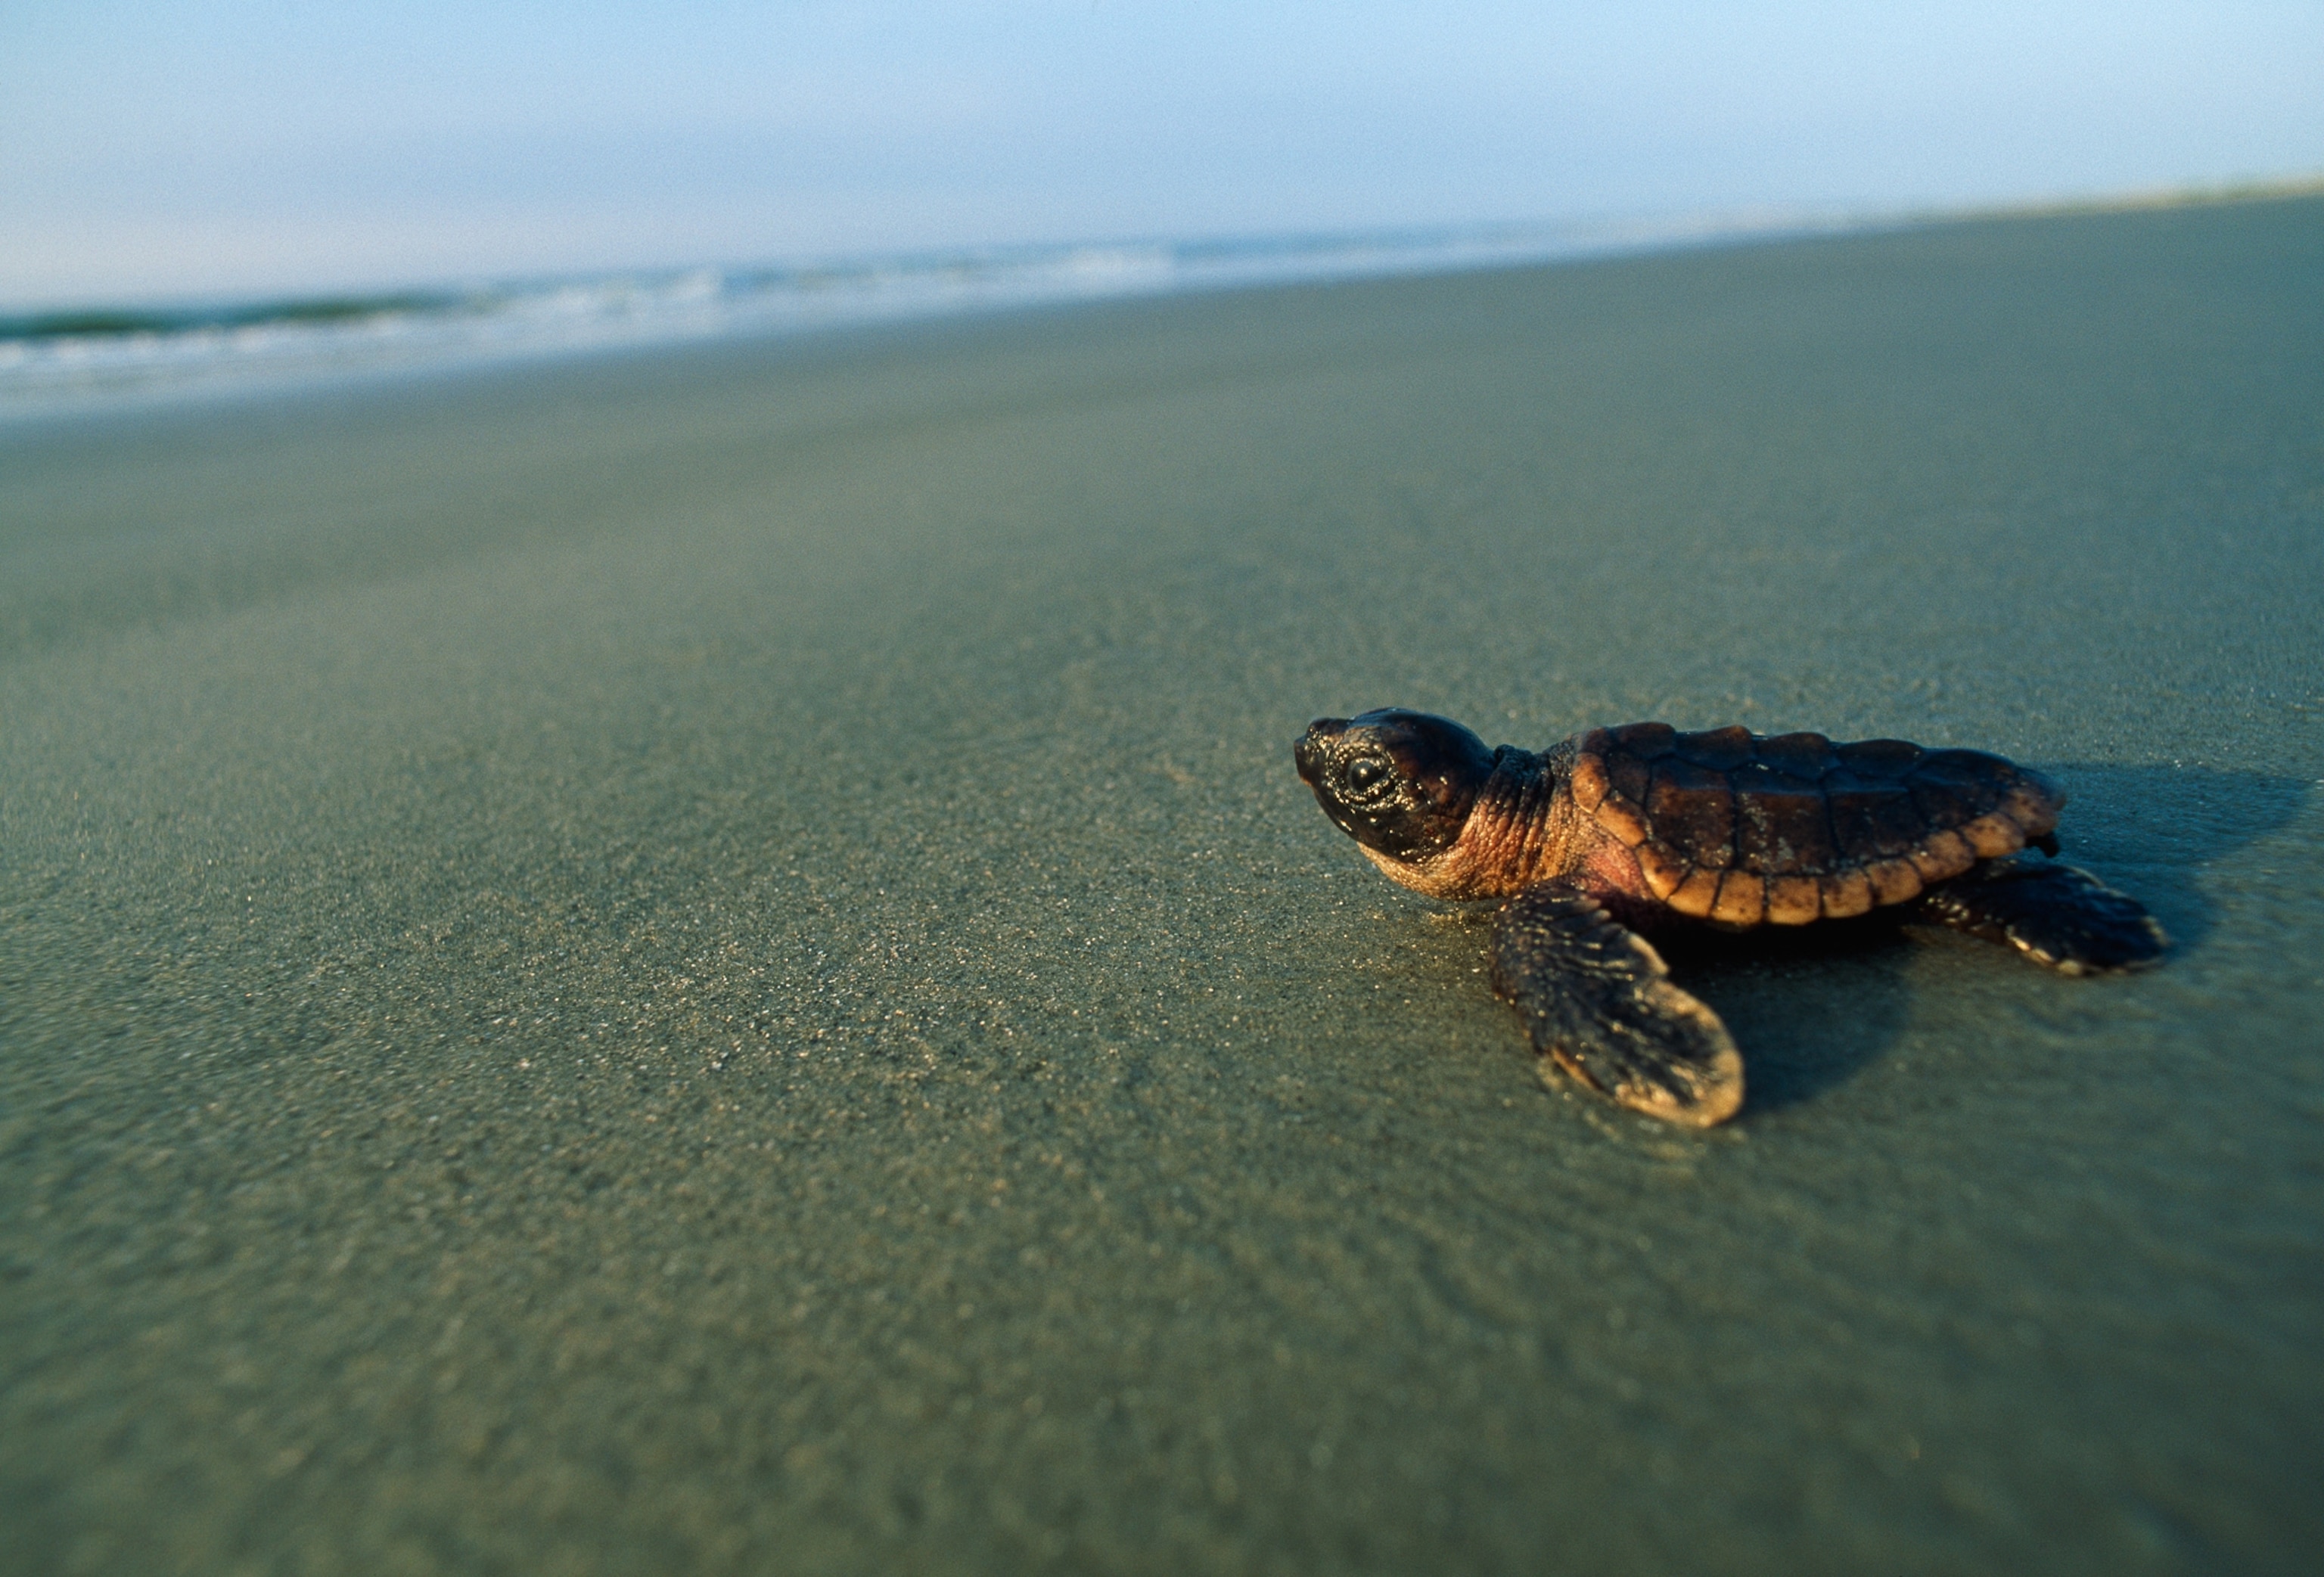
(1737,827)
(1642,828)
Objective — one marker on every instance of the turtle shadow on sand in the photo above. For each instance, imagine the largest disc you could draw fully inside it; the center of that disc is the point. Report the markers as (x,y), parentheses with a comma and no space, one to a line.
(2158,828)
(1810,1009)
(1807,1011)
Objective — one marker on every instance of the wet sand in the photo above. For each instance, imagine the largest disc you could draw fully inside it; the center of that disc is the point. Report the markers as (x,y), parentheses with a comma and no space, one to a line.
(712,962)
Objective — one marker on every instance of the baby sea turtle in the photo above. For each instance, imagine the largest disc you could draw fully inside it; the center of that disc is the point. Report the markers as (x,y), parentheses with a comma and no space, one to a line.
(1642,828)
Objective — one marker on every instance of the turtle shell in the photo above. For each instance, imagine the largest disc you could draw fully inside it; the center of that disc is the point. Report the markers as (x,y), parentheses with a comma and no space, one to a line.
(1741,829)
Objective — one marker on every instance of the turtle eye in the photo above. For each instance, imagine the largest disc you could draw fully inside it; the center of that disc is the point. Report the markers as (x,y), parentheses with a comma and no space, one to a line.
(1365,775)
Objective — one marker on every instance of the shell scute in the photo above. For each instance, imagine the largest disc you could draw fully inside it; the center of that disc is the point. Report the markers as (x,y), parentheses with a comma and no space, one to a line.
(1695,895)
(1942,856)
(1952,787)
(1647,741)
(1781,823)
(1692,808)
(1941,809)
(2033,804)
(1846,894)
(1722,750)
(1663,868)
(1794,900)
(1742,899)
(1626,776)
(1879,758)
(1994,835)
(1893,880)
(1623,819)
(1588,779)
(1870,821)
(1799,755)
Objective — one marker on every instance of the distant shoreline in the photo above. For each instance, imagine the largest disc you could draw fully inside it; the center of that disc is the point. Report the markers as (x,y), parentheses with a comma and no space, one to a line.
(2207,195)
(108,358)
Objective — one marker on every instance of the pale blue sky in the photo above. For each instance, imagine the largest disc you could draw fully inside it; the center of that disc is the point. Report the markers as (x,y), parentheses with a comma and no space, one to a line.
(158,147)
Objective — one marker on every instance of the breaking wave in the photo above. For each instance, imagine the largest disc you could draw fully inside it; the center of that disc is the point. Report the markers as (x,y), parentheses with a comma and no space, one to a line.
(72,360)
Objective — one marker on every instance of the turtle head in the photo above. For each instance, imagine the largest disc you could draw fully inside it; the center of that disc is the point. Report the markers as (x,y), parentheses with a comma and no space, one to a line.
(1400,783)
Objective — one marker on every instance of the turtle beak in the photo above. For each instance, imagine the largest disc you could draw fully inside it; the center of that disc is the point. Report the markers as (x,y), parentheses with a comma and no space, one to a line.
(1308,750)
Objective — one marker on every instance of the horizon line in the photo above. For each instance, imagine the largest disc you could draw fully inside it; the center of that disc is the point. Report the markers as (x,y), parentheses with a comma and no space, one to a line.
(143,312)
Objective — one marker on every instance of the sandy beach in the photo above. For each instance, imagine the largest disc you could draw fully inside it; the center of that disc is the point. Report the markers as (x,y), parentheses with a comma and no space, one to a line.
(711,961)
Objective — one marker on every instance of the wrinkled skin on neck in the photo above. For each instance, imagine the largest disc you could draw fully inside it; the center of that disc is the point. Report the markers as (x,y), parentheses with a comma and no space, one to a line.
(1447,816)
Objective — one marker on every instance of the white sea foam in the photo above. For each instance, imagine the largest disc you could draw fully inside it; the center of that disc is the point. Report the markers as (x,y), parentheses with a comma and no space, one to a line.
(63,363)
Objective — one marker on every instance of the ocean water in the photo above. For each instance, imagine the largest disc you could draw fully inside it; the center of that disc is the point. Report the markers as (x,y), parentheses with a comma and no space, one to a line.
(97,358)
(712,959)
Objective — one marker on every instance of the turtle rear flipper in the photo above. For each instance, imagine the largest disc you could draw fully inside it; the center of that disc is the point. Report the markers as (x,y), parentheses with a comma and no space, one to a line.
(1597,1001)
(2053,914)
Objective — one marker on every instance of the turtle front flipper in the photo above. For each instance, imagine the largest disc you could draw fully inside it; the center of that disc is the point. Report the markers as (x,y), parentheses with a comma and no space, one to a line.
(2053,914)
(1597,1001)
